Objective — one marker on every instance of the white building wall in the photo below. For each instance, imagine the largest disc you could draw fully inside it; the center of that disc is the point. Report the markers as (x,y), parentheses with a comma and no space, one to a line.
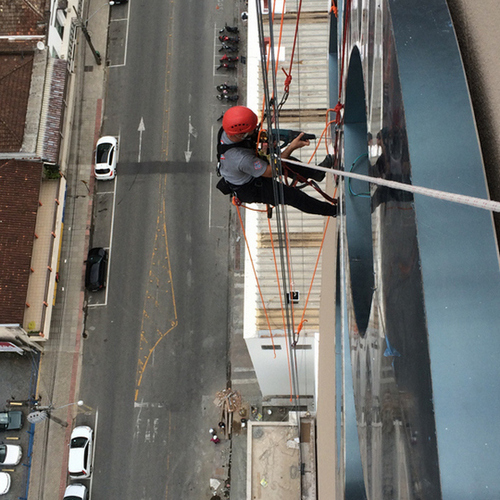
(59,46)
(273,373)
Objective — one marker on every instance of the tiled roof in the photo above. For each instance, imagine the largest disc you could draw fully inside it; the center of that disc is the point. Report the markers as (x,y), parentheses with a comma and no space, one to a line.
(19,192)
(22,18)
(15,80)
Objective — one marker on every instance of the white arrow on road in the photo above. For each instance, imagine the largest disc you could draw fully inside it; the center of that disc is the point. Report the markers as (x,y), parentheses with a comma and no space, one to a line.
(141,129)
(194,133)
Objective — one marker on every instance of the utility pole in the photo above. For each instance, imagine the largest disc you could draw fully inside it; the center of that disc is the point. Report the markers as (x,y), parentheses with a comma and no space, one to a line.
(97,56)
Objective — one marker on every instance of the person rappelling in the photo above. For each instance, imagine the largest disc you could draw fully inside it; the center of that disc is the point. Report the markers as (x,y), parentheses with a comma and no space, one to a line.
(249,176)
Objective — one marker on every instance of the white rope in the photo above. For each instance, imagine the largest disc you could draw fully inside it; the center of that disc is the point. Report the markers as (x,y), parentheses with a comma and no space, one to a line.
(491,205)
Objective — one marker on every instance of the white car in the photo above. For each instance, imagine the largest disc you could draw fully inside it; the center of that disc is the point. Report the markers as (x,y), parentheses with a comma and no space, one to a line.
(80,453)
(10,454)
(4,483)
(75,491)
(106,153)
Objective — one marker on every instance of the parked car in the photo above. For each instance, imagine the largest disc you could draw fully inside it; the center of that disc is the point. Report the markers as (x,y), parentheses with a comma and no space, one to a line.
(117,2)
(95,272)
(106,157)
(10,454)
(4,483)
(76,491)
(11,420)
(80,453)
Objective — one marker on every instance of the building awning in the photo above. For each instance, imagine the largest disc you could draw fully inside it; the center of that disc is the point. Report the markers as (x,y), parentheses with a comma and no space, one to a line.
(52,112)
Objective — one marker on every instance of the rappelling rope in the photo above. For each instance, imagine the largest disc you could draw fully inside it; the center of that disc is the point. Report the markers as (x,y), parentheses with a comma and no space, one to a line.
(275,155)
(491,205)
(282,308)
(237,205)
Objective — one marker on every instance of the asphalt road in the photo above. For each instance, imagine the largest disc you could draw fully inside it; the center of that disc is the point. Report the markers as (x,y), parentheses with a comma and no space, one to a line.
(157,337)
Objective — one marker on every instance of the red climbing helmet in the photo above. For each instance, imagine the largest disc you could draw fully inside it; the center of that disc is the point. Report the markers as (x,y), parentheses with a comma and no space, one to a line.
(239,120)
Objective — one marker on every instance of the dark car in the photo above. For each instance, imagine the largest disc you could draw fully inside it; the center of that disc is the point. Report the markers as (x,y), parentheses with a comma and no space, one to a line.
(95,274)
(11,420)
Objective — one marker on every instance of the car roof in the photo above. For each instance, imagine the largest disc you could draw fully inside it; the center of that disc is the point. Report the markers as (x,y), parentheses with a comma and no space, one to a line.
(97,251)
(76,456)
(82,431)
(10,414)
(4,480)
(107,139)
(77,490)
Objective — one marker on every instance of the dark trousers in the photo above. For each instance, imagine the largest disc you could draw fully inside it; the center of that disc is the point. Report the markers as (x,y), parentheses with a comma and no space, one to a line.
(260,190)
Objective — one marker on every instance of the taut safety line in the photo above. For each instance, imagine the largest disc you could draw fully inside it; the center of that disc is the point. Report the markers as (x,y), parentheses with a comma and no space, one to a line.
(491,205)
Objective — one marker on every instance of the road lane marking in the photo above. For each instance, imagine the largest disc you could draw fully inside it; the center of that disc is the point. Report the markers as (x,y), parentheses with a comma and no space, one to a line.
(188,153)
(111,237)
(141,129)
(212,144)
(93,450)
(166,121)
(105,303)
(143,404)
(243,381)
(210,201)
(127,19)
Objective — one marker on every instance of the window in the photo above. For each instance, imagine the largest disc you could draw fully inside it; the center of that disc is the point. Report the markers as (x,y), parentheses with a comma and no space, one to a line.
(60,21)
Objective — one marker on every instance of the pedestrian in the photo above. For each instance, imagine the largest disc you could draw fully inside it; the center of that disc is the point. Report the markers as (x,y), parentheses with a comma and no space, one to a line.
(222,425)
(215,439)
(250,178)
(212,431)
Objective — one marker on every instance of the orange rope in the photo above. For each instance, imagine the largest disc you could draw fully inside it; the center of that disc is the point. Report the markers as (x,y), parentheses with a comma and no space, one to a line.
(256,279)
(290,274)
(248,208)
(302,320)
(325,130)
(282,308)
(334,9)
(289,75)
(269,51)
(281,34)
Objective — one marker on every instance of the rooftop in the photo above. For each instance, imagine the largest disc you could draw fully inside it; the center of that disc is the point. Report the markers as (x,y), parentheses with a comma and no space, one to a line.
(20,187)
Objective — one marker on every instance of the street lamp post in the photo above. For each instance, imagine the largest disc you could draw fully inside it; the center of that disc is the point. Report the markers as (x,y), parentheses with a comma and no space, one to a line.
(43,412)
(107,4)
(79,403)
(83,25)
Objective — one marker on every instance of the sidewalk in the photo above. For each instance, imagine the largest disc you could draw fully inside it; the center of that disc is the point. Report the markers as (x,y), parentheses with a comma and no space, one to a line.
(60,364)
